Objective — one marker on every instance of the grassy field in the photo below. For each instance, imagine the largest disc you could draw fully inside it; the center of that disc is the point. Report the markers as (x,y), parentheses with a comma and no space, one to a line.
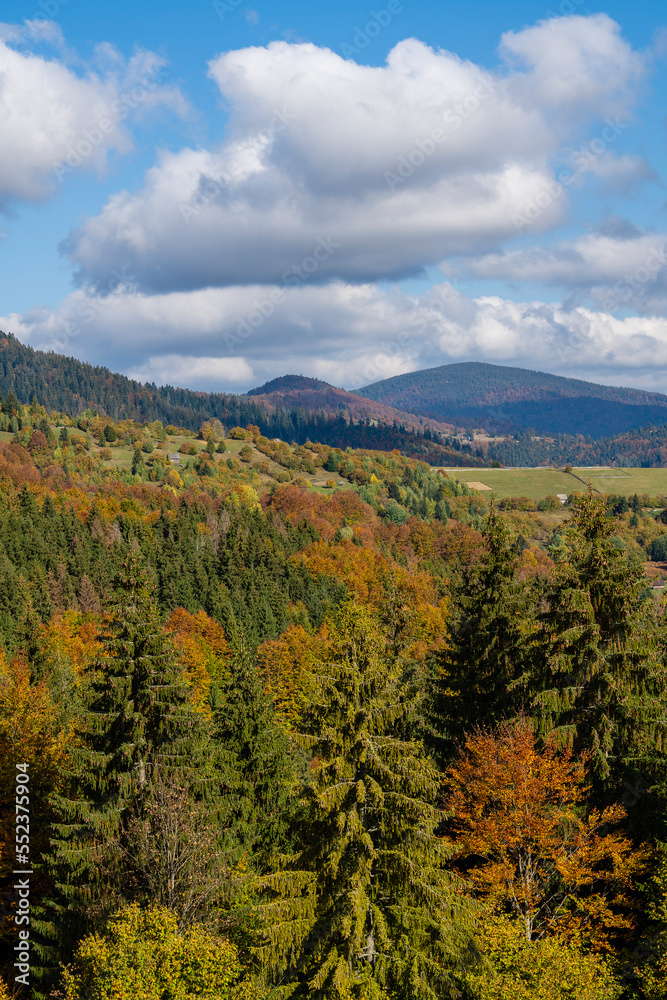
(537,483)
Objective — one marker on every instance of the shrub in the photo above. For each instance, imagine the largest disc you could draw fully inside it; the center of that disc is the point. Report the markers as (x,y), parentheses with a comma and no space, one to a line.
(549,502)
(245,453)
(658,549)
(238,434)
(143,954)
(188,449)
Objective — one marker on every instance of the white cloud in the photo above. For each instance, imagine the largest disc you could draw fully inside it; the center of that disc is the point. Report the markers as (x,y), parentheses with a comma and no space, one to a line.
(232,338)
(573,64)
(196,373)
(618,266)
(53,121)
(403,165)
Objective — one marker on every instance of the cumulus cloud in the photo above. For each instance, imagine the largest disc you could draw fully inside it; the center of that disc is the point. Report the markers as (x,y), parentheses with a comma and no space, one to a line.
(53,121)
(196,373)
(617,266)
(401,165)
(350,335)
(565,64)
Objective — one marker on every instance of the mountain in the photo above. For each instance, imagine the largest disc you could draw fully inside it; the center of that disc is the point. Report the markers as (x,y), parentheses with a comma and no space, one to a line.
(317,396)
(325,414)
(503,399)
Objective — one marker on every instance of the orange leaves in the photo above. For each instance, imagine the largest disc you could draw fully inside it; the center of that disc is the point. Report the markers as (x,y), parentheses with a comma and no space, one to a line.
(204,650)
(360,569)
(526,845)
(29,734)
(457,542)
(326,514)
(71,639)
(29,731)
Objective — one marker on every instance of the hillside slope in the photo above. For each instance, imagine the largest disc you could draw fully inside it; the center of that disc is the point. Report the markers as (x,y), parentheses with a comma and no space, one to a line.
(67,385)
(317,396)
(502,399)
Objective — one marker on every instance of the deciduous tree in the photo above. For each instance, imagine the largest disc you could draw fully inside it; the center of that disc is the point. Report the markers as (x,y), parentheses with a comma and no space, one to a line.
(527,844)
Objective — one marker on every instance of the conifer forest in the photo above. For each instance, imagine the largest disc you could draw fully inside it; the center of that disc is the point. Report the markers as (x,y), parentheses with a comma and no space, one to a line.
(287,720)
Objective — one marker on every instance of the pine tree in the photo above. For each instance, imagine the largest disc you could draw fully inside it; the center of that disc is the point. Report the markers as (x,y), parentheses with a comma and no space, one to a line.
(246,726)
(88,600)
(478,676)
(137,732)
(364,900)
(597,681)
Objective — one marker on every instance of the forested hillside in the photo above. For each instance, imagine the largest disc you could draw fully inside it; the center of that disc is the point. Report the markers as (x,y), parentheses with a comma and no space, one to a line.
(292,721)
(499,398)
(644,447)
(70,386)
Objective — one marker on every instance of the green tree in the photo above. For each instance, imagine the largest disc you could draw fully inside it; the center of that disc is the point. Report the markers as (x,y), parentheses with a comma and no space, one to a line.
(478,675)
(365,899)
(597,680)
(246,725)
(141,752)
(547,969)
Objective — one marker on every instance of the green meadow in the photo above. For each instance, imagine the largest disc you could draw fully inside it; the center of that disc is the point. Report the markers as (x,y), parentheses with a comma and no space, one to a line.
(537,483)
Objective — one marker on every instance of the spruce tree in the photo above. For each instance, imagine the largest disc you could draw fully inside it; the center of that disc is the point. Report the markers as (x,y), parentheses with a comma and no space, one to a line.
(137,732)
(246,726)
(597,679)
(478,678)
(365,900)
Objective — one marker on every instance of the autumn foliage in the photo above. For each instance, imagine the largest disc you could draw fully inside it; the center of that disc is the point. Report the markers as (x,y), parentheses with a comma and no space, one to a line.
(527,843)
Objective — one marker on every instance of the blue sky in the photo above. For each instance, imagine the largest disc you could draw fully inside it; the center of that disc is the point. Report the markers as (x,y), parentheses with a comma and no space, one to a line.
(217,194)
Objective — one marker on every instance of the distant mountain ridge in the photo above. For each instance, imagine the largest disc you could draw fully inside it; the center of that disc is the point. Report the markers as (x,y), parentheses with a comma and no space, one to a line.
(314,411)
(502,399)
(313,394)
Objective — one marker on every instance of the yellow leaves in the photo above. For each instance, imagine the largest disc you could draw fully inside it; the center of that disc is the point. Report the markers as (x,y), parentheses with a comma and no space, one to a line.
(243,495)
(143,956)
(29,731)
(71,639)
(29,734)
(287,665)
(549,969)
